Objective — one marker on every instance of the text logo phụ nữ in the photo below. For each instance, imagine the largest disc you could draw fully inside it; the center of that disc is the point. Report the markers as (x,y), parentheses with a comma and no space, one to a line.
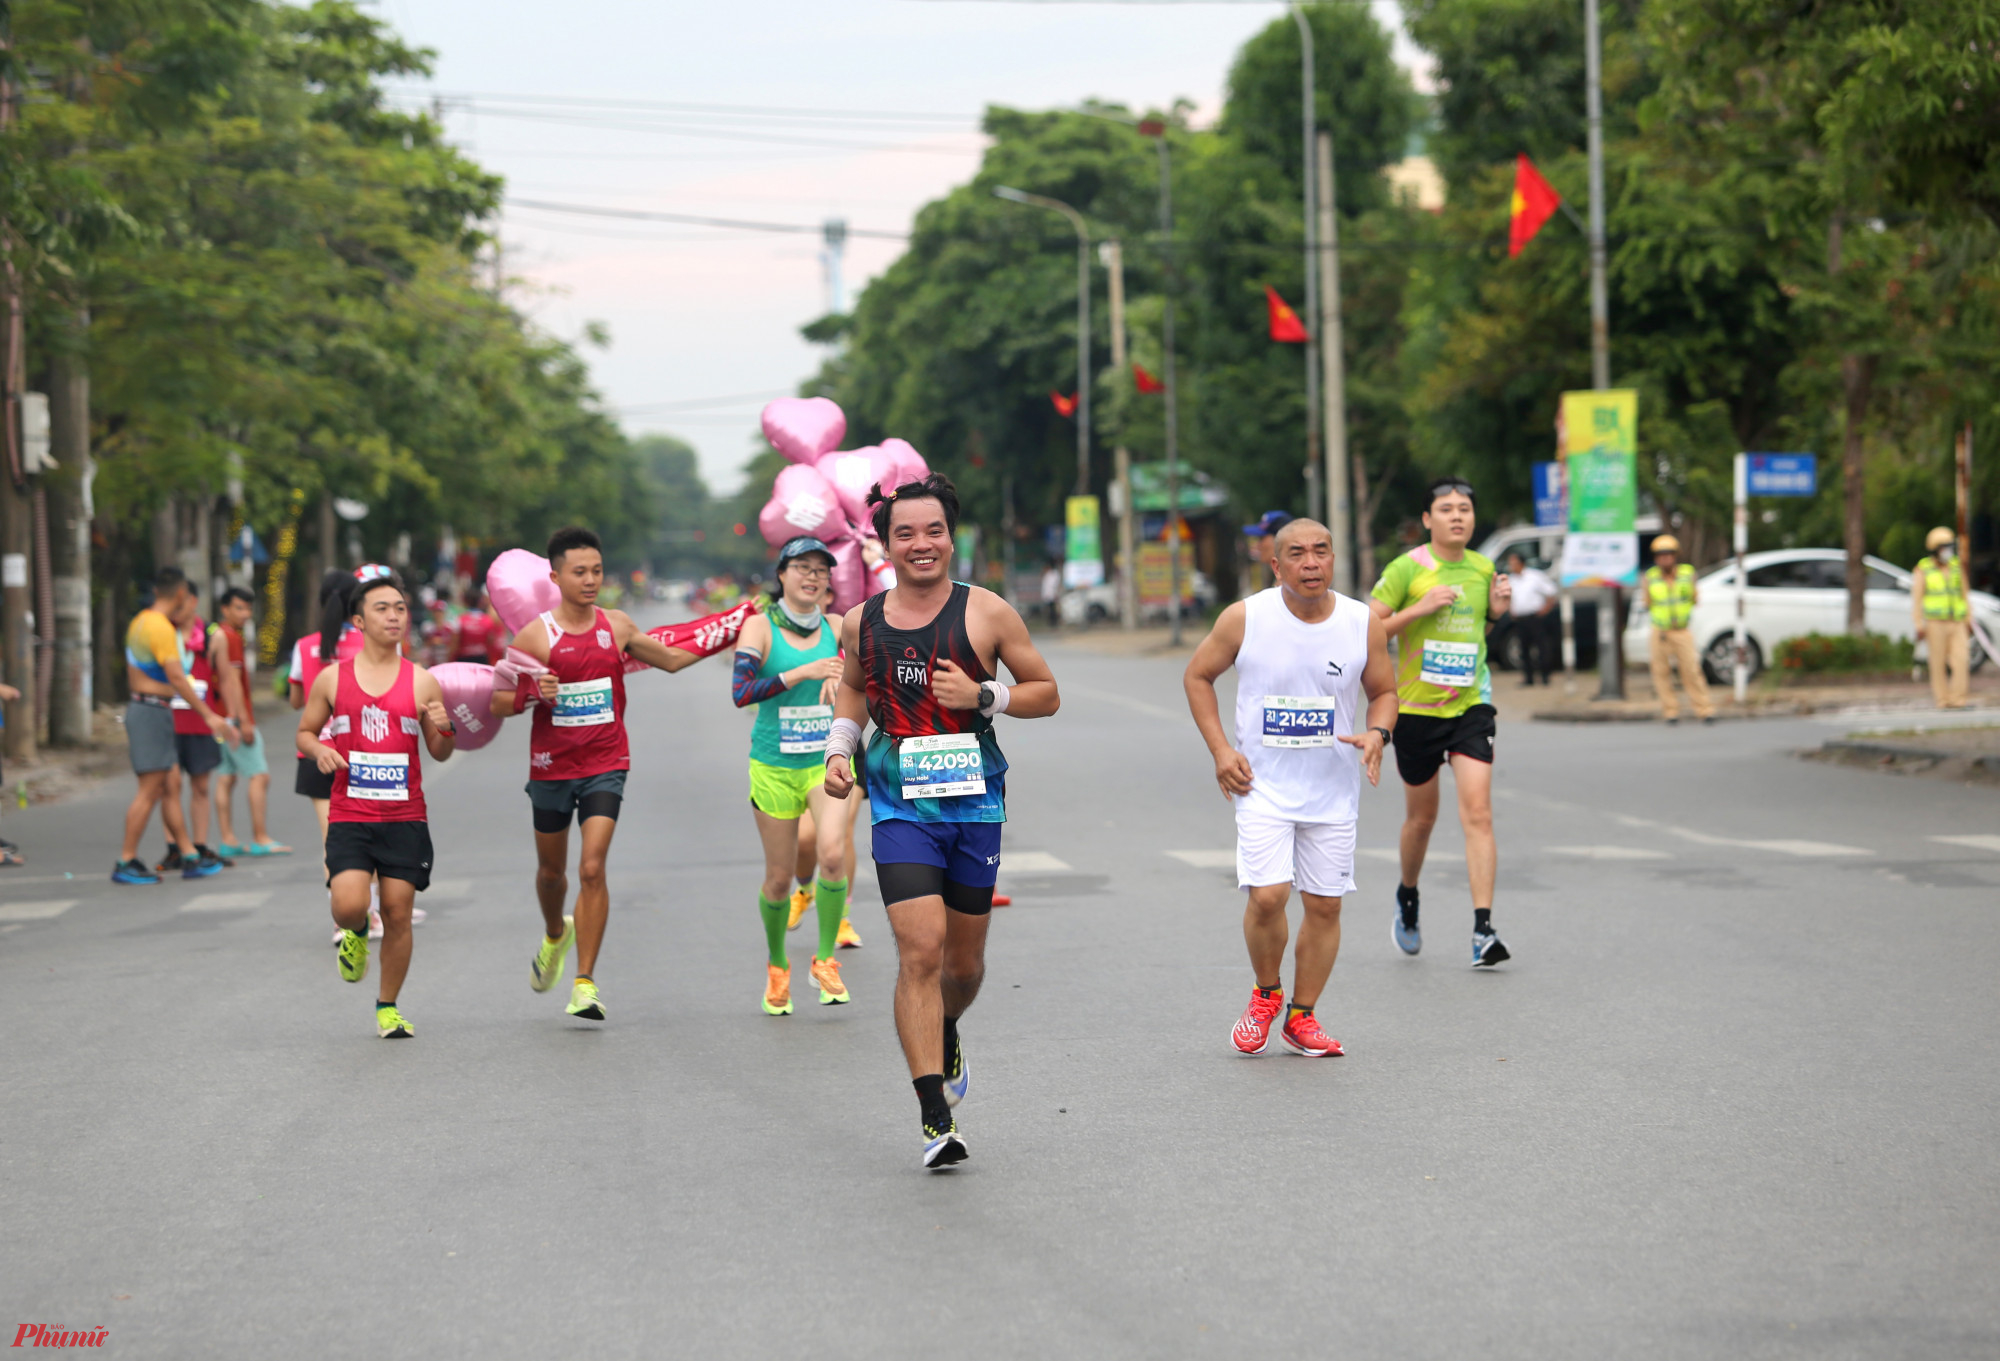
(55,1335)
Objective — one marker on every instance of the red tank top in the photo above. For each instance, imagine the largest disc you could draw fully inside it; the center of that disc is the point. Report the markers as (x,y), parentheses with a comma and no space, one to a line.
(477,634)
(186,720)
(352,640)
(382,741)
(583,732)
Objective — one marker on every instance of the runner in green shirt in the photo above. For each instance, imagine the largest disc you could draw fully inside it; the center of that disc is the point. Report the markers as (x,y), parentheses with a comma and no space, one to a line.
(1437,601)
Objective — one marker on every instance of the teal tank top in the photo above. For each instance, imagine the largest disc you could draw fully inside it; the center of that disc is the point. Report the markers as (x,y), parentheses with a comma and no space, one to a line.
(791,728)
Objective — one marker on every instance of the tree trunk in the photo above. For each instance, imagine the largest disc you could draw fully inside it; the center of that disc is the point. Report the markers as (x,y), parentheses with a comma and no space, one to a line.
(70,510)
(1857,384)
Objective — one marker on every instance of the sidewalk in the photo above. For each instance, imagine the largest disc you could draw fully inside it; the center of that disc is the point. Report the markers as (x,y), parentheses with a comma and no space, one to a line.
(58,774)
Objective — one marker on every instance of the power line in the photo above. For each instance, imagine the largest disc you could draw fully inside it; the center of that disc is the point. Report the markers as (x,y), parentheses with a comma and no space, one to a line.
(666,106)
(691,220)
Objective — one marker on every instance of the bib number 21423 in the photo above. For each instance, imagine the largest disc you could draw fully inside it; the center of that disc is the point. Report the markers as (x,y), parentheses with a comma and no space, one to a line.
(943,767)
(1295,721)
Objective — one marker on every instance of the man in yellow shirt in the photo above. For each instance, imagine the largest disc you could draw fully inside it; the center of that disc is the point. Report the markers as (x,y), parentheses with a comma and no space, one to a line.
(1671,596)
(1943,615)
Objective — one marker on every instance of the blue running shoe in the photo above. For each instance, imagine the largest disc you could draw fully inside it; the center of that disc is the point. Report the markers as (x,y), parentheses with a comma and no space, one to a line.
(1487,949)
(956,1079)
(202,866)
(943,1147)
(1408,938)
(132,872)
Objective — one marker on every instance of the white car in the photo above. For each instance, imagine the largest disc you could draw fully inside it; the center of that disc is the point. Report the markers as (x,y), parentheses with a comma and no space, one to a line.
(1789,592)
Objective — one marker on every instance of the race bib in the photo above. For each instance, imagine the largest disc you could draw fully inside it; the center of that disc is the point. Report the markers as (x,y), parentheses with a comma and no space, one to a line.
(200,690)
(583,704)
(380,775)
(948,766)
(802,728)
(1454,666)
(1292,721)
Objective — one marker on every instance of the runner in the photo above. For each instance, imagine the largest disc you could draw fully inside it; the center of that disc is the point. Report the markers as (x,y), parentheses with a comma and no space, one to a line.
(921,662)
(1304,656)
(196,750)
(786,665)
(246,759)
(1440,599)
(363,722)
(156,670)
(577,753)
(477,635)
(311,655)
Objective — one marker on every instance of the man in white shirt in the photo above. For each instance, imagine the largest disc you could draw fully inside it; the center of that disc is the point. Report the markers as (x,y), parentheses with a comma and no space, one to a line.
(1532,615)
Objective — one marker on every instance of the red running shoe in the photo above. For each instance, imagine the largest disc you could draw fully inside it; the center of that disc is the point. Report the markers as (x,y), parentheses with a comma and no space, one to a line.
(1252,1034)
(1302,1035)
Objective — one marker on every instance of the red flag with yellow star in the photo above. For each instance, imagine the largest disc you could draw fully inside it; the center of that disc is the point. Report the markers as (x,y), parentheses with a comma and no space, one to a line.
(1535,200)
(1285,324)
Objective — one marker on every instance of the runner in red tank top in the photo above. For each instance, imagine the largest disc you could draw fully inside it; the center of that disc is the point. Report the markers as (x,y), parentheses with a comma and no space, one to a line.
(377,709)
(195,748)
(577,753)
(477,635)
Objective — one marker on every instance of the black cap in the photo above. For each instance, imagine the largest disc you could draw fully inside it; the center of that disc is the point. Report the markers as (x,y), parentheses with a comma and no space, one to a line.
(799,547)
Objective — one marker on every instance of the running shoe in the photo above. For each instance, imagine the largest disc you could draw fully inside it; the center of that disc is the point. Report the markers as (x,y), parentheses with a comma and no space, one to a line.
(206,854)
(546,969)
(584,1003)
(1487,949)
(418,916)
(826,973)
(133,871)
(848,938)
(205,864)
(390,1025)
(777,990)
(957,1077)
(1404,929)
(1002,900)
(1302,1035)
(374,923)
(943,1147)
(802,900)
(171,861)
(353,957)
(1252,1034)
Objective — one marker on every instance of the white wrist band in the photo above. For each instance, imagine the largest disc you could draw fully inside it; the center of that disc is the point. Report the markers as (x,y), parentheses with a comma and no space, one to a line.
(999,700)
(843,738)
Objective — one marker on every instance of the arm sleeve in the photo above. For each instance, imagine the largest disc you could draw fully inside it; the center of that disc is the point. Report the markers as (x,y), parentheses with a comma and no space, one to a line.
(745,688)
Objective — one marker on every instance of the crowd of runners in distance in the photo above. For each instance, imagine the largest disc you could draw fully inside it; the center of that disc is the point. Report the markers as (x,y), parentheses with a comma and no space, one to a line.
(1320,700)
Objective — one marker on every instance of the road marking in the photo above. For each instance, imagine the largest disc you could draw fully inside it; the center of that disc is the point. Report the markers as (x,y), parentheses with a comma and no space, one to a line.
(1609,852)
(1978,843)
(1394,856)
(1803,849)
(227,902)
(34,912)
(1041,862)
(1206,860)
(1136,705)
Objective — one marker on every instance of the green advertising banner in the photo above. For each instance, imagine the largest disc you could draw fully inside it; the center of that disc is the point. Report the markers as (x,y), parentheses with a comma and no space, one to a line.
(1600,441)
(1083,555)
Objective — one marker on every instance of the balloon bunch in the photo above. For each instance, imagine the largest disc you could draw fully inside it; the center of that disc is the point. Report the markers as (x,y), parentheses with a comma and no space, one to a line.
(825,491)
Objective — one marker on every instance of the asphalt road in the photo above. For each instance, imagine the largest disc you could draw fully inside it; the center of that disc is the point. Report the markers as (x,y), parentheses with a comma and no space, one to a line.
(1736,1096)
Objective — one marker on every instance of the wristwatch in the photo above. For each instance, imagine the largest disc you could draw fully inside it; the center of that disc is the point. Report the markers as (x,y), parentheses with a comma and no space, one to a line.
(1388,738)
(986,695)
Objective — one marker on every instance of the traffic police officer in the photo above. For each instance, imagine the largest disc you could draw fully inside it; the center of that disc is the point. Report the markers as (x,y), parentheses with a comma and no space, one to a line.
(1670,599)
(1943,616)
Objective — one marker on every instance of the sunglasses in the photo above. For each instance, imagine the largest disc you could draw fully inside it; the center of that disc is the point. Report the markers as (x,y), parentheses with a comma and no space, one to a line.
(1452,484)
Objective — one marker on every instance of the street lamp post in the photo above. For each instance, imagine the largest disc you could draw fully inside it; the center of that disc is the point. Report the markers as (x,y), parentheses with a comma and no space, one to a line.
(1157,129)
(1306,121)
(1082,323)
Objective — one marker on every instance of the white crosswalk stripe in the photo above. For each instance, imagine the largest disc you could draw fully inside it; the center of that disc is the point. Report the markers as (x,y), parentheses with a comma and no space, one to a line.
(1977,843)
(1395,857)
(1041,862)
(242,901)
(34,912)
(1810,850)
(1610,852)
(1206,860)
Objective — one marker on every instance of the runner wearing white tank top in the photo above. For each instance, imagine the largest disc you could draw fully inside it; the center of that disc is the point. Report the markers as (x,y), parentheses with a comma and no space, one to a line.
(1308,663)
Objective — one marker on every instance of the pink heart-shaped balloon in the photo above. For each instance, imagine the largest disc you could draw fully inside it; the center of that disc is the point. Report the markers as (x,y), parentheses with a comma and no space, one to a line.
(519,586)
(802,502)
(853,473)
(803,428)
(850,575)
(910,465)
(468,698)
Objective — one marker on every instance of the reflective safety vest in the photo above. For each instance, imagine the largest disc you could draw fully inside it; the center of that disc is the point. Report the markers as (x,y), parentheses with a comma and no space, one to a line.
(1670,600)
(1944,589)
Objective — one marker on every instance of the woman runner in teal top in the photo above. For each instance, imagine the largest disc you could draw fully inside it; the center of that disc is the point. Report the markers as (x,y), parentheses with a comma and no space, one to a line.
(787,663)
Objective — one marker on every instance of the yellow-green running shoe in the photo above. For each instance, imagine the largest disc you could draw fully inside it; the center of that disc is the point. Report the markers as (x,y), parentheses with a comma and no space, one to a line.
(583,1001)
(547,969)
(390,1025)
(353,956)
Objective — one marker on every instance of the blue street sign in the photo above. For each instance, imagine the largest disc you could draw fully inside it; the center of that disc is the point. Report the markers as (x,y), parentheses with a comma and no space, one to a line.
(1551,497)
(1782,474)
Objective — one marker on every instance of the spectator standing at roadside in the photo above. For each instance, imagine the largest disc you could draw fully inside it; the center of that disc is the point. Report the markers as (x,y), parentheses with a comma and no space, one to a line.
(1261,537)
(1052,592)
(1943,615)
(246,759)
(1670,598)
(10,854)
(197,751)
(1532,613)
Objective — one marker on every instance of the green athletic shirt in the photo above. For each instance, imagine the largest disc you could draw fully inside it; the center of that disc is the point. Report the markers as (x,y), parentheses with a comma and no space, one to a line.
(808,723)
(1440,658)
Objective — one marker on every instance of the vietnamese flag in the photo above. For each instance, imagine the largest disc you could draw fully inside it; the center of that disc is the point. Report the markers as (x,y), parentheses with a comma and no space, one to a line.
(1147,383)
(1535,199)
(1065,406)
(1285,324)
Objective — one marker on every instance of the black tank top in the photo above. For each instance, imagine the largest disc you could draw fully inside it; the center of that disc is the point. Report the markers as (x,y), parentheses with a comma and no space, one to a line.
(898,664)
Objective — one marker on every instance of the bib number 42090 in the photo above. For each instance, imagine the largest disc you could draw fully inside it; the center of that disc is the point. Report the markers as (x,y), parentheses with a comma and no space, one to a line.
(947,766)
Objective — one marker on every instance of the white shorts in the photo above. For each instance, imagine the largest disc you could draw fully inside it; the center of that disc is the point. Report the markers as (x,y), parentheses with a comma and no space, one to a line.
(1316,856)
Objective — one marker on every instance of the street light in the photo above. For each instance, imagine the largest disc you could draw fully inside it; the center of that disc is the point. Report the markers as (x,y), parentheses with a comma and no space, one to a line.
(1082,323)
(1156,128)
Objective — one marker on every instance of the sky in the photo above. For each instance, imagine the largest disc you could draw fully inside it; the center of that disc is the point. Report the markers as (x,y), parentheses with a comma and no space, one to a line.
(774,111)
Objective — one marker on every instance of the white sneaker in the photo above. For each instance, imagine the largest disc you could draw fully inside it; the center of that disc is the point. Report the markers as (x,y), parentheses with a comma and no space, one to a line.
(374,923)
(417,915)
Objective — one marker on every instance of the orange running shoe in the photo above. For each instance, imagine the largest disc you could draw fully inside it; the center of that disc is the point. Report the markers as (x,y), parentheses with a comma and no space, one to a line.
(777,990)
(1302,1035)
(826,973)
(1002,900)
(802,898)
(849,938)
(1252,1034)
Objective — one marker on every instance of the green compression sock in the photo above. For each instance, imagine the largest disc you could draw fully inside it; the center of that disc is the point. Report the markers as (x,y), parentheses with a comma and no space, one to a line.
(777,916)
(830,900)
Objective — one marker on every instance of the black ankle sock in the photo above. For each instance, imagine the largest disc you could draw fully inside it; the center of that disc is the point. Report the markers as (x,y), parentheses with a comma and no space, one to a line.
(1482,919)
(930,1100)
(1406,899)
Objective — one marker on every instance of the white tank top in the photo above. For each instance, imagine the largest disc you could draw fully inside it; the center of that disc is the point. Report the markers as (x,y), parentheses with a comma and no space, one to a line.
(1298,686)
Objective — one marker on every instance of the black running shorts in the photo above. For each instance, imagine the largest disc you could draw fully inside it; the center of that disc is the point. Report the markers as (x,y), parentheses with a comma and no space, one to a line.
(392,850)
(312,782)
(1422,742)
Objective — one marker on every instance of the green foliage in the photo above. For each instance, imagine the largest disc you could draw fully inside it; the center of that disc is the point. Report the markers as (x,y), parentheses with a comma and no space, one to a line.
(1835,653)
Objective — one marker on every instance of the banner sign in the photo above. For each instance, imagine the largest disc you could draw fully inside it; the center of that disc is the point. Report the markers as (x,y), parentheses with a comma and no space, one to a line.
(1083,555)
(1600,448)
(1551,497)
(1782,474)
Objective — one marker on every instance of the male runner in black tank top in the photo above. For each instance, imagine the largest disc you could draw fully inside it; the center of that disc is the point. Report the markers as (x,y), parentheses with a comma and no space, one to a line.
(922,661)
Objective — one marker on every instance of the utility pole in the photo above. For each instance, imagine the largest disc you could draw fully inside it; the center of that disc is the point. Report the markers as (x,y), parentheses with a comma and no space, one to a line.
(1335,358)
(68,488)
(1307,110)
(1157,128)
(1610,665)
(1113,255)
(16,636)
